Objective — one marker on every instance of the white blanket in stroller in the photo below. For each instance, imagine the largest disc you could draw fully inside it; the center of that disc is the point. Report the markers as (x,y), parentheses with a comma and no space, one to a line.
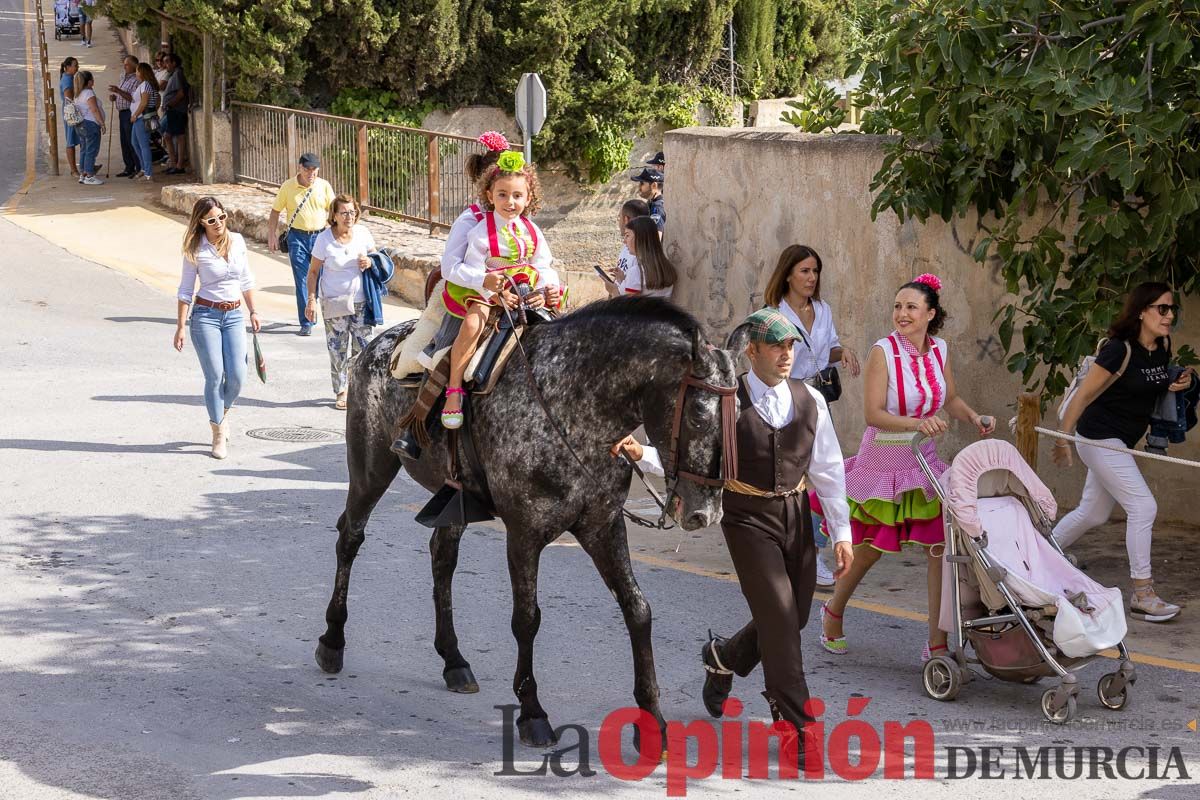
(1090,617)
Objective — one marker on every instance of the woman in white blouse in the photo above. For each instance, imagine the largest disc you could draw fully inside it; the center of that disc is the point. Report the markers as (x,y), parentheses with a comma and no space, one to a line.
(339,257)
(216,257)
(795,289)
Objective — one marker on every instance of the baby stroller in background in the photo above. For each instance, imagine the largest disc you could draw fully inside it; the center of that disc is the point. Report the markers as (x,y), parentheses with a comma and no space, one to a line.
(1010,592)
(67,19)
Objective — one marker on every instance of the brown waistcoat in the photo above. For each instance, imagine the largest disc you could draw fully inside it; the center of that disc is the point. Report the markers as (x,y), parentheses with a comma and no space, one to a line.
(775,459)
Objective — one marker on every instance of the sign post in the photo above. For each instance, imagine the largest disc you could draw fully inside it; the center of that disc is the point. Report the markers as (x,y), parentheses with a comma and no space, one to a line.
(531,109)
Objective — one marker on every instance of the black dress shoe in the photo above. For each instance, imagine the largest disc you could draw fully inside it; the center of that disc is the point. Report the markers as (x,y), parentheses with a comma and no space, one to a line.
(718,680)
(123,174)
(406,445)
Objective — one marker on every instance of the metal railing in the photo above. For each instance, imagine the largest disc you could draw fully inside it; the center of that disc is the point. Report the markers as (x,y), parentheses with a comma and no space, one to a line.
(49,91)
(413,174)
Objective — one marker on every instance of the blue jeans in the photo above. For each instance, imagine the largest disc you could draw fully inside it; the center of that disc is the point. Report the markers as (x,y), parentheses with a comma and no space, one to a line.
(91,147)
(300,245)
(141,145)
(220,341)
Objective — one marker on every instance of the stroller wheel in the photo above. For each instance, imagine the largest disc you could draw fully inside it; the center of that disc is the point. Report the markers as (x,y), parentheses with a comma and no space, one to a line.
(1062,715)
(1110,699)
(941,678)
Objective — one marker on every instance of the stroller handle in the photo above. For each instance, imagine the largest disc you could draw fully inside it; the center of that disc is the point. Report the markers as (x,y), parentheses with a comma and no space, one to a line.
(919,439)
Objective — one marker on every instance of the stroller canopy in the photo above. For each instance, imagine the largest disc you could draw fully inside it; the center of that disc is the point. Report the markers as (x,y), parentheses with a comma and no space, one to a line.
(991,468)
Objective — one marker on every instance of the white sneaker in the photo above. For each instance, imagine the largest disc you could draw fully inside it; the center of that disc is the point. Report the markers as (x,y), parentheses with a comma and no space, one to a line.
(824,575)
(92,180)
(147,178)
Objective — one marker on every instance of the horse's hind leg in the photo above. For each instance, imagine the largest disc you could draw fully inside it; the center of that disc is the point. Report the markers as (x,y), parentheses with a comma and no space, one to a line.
(365,490)
(609,550)
(443,553)
(523,555)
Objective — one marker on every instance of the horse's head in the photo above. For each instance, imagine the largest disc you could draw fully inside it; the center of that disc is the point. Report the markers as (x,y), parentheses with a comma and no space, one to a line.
(703,442)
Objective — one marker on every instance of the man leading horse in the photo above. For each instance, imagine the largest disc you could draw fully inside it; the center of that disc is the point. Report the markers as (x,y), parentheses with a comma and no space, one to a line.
(785,443)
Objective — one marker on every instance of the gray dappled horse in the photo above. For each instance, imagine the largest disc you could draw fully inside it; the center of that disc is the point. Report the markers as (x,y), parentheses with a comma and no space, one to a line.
(603,370)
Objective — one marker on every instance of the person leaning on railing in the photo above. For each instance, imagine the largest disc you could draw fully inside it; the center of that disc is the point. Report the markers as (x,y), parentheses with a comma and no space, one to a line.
(1116,411)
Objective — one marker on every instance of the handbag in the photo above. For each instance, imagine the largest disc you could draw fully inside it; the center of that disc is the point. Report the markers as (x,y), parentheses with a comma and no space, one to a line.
(71,114)
(828,382)
(340,306)
(260,363)
(296,213)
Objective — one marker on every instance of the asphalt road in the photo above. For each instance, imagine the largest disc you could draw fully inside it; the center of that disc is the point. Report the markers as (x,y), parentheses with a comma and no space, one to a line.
(159,609)
(14,88)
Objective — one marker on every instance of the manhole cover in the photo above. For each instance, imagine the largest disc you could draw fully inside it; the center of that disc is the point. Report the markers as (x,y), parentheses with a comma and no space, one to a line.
(295,434)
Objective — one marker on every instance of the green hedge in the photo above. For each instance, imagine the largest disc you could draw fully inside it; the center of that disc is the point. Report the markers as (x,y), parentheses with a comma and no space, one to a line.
(610,66)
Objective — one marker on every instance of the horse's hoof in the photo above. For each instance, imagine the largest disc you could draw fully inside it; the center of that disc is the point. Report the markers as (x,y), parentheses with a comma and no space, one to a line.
(536,732)
(637,744)
(328,659)
(460,680)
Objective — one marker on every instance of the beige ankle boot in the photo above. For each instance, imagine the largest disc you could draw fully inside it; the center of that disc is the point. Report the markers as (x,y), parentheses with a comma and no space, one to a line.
(225,425)
(218,443)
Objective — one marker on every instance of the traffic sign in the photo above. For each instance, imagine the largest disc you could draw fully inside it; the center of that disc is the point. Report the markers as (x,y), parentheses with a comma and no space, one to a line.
(531,108)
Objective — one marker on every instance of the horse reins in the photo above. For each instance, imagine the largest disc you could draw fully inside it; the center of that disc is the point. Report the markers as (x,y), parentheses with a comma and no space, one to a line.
(728,433)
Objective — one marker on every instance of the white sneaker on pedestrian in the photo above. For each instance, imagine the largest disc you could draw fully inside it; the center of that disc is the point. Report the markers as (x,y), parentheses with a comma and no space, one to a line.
(147,178)
(92,180)
(824,575)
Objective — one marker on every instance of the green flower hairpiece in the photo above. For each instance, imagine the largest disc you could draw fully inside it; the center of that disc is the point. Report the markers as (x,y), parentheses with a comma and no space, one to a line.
(511,161)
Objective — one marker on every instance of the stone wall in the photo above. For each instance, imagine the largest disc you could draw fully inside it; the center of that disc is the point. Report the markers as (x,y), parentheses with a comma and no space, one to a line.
(737,198)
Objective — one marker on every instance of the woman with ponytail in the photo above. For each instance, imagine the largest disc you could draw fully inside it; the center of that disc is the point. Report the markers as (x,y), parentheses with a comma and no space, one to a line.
(892,502)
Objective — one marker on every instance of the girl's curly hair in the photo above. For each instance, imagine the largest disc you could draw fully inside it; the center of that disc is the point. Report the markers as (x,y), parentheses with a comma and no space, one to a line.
(493,174)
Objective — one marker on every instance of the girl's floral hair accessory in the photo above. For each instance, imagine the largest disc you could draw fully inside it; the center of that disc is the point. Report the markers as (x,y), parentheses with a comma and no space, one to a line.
(511,161)
(493,140)
(930,280)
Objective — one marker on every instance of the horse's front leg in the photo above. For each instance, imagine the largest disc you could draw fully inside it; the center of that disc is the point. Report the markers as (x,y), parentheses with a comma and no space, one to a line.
(609,550)
(524,554)
(443,553)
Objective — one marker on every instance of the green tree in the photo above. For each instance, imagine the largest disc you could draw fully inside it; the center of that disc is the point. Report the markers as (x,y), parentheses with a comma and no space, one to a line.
(1087,107)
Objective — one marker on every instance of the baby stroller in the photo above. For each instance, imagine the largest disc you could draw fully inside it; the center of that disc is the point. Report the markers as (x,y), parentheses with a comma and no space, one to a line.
(1011,593)
(66,18)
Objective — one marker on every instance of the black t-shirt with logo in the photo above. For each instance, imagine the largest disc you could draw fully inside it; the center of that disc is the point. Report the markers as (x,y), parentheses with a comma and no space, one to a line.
(1123,410)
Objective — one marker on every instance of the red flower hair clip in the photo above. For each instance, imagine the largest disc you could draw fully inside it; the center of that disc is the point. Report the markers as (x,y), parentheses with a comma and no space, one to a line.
(493,140)
(930,280)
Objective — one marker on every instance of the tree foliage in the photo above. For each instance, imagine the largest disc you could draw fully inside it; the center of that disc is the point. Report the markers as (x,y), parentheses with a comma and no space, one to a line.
(610,66)
(1070,127)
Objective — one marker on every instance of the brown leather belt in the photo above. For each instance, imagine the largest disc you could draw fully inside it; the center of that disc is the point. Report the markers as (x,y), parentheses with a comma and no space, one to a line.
(737,487)
(221,306)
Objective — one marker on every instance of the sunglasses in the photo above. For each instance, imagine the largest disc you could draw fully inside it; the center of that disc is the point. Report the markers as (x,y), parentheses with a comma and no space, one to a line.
(1165,308)
(216,219)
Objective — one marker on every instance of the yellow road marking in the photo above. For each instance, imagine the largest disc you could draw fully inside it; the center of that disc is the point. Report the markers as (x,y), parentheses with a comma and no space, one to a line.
(30,118)
(866,605)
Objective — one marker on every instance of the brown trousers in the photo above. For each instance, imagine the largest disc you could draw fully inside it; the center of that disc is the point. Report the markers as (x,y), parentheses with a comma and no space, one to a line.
(771,544)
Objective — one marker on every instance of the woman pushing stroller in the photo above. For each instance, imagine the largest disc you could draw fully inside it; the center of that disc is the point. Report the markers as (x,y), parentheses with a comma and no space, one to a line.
(892,503)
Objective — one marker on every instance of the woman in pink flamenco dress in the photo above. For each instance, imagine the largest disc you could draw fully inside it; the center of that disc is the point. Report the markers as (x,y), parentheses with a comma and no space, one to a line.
(892,502)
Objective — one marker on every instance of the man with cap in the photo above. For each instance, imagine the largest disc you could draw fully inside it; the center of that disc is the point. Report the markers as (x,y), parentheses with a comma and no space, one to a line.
(659,162)
(786,445)
(649,183)
(305,200)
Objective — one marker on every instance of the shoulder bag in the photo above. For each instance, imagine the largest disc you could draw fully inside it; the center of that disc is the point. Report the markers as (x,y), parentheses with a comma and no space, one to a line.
(296,213)
(828,382)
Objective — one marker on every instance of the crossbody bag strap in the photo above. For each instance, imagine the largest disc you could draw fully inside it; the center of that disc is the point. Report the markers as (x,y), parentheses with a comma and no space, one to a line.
(303,200)
(493,236)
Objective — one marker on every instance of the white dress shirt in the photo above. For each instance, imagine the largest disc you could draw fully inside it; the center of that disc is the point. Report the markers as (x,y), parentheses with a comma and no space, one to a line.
(826,469)
(221,280)
(823,337)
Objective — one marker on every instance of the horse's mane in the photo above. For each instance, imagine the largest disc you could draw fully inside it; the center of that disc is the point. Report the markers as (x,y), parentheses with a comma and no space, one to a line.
(631,309)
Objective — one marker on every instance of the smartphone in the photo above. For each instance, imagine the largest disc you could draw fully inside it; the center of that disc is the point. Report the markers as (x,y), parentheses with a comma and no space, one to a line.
(603,275)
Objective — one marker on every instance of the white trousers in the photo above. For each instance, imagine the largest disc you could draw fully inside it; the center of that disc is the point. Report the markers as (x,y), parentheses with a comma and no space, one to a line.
(1113,478)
